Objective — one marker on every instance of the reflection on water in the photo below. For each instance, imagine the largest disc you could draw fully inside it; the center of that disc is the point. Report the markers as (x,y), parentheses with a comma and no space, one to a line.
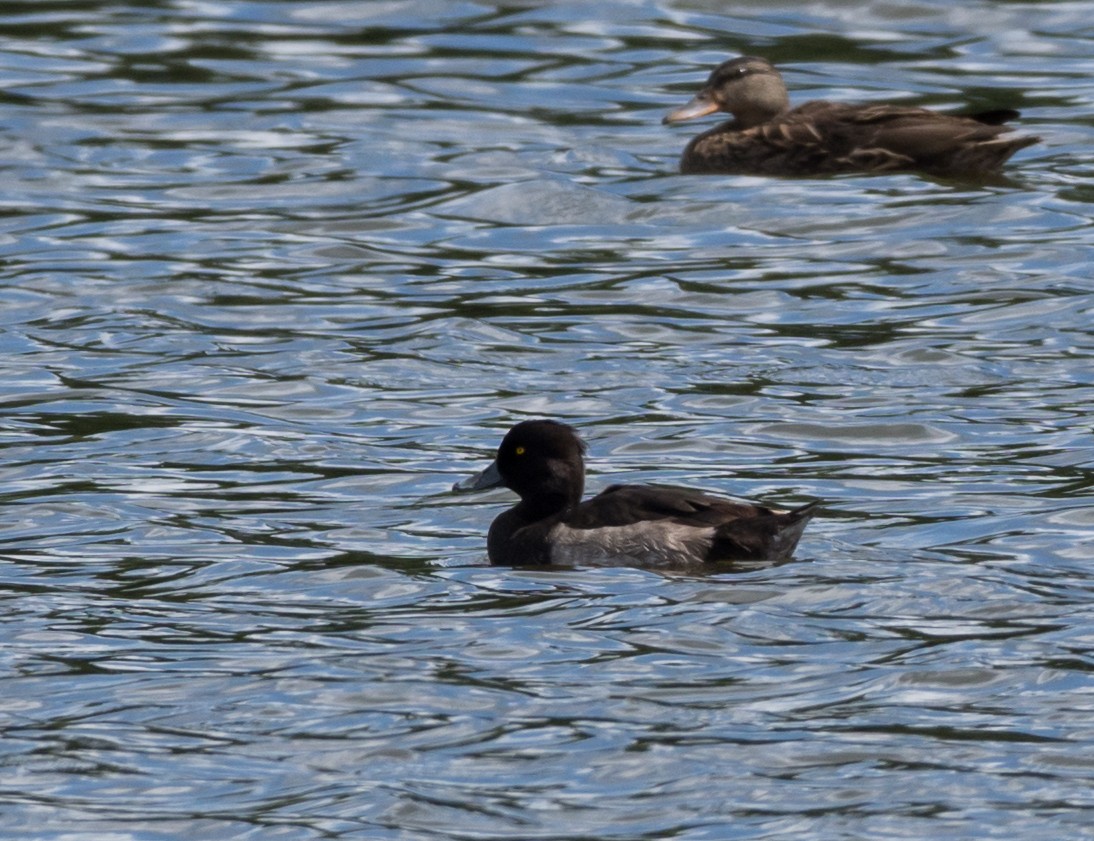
(275,274)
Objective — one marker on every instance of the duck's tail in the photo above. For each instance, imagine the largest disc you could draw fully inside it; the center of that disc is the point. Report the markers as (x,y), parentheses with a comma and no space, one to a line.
(788,531)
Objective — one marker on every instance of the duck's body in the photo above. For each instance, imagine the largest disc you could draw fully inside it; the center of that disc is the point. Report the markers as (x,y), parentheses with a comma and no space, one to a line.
(542,461)
(767,137)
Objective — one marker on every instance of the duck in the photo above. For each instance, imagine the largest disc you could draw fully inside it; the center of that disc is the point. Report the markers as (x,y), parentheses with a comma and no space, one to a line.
(768,137)
(543,462)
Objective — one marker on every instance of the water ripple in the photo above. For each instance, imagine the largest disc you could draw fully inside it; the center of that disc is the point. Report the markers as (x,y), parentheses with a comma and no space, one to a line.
(277,273)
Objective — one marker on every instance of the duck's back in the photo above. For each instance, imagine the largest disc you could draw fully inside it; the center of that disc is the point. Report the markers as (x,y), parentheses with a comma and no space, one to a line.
(822,137)
(669,526)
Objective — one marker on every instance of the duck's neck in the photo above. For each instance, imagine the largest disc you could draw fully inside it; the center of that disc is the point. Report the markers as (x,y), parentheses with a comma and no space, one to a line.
(545,505)
(765,99)
(748,119)
(756,114)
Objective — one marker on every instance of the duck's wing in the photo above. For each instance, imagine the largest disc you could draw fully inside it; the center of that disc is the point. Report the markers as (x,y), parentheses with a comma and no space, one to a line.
(662,525)
(816,138)
(996,117)
(821,138)
(890,137)
(622,505)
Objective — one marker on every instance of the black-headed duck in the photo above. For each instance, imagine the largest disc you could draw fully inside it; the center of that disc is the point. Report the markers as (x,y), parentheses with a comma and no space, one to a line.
(767,137)
(542,461)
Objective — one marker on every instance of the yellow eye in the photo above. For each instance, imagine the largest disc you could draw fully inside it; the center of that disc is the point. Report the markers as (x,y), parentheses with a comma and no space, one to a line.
(520,451)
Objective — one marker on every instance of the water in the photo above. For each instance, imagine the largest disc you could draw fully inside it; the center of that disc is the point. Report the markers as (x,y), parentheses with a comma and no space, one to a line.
(276,274)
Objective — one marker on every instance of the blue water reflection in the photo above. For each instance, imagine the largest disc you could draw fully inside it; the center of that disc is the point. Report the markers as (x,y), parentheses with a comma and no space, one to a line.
(276,274)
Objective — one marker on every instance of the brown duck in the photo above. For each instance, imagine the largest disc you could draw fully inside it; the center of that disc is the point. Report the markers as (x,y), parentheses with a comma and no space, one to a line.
(767,137)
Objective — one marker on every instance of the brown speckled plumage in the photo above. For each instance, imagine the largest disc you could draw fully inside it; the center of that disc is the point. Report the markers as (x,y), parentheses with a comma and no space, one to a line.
(767,137)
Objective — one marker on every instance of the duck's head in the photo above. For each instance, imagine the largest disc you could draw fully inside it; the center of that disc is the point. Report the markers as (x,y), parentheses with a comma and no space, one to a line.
(748,87)
(542,461)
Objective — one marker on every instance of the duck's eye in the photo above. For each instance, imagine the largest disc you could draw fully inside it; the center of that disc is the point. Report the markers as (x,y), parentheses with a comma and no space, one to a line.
(519,451)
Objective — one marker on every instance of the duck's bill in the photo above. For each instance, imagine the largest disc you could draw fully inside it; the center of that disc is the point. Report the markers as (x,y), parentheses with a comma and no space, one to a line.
(700,106)
(488,478)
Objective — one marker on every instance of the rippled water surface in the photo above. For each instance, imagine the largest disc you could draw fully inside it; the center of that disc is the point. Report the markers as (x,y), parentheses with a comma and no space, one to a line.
(276,274)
